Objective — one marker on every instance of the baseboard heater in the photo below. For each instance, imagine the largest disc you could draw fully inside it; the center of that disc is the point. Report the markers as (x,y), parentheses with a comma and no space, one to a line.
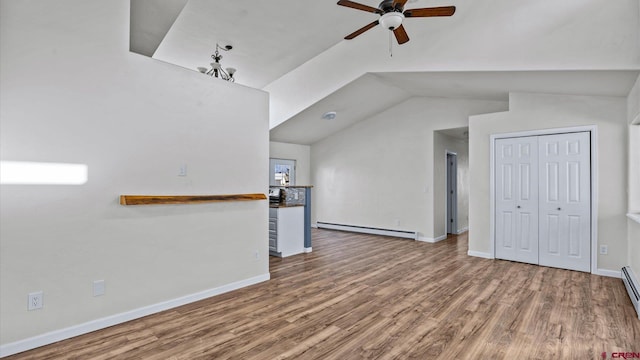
(633,287)
(369,230)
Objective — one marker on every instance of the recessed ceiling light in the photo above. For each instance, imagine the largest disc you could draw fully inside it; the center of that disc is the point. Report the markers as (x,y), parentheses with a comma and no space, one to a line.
(329,115)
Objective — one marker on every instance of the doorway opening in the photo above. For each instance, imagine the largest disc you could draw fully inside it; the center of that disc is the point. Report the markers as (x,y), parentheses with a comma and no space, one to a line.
(452,192)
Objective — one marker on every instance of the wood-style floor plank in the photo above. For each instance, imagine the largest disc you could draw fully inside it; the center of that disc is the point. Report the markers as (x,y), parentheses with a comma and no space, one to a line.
(374,297)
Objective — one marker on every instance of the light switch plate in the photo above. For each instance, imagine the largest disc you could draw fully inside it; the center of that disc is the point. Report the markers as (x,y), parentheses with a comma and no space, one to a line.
(98,288)
(604,249)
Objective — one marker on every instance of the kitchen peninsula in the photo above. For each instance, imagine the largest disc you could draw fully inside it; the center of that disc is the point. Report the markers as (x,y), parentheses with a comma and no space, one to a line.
(289,220)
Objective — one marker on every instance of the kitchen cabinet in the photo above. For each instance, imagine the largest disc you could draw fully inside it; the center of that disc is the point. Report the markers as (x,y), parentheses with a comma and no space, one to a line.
(295,195)
(286,230)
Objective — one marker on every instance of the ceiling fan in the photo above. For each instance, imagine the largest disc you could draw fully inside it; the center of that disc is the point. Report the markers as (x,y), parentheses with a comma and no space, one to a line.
(391,15)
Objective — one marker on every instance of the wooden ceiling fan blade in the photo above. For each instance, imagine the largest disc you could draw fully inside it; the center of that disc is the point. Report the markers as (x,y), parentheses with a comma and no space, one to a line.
(361,30)
(399,3)
(401,35)
(430,12)
(357,6)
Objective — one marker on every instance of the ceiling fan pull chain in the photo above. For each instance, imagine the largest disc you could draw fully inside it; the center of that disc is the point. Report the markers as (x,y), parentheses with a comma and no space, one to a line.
(390,44)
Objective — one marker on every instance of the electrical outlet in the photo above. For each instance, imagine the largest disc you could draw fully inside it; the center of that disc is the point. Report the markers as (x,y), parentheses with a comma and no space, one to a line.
(604,249)
(98,288)
(257,255)
(35,300)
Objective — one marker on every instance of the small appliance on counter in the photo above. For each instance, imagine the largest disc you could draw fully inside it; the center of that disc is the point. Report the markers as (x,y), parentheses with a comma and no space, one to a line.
(275,195)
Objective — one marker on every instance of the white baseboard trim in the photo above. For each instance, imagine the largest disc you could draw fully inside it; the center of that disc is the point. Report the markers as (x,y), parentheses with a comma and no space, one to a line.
(93,325)
(368,230)
(609,273)
(431,240)
(314,225)
(632,285)
(308,250)
(479,254)
(462,231)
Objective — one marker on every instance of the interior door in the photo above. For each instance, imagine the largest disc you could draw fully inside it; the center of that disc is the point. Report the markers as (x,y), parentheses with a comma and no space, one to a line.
(565,201)
(516,166)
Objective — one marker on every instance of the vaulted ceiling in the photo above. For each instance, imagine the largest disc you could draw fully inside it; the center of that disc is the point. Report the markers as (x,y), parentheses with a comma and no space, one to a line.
(270,38)
(295,51)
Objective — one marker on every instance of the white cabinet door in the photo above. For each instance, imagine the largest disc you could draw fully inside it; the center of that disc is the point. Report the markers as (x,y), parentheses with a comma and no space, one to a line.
(565,201)
(516,178)
(290,230)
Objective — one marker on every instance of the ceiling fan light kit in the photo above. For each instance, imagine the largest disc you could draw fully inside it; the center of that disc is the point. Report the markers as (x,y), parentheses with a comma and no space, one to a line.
(392,13)
(391,20)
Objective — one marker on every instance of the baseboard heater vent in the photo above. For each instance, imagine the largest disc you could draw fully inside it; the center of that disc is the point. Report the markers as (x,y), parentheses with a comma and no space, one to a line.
(633,287)
(369,230)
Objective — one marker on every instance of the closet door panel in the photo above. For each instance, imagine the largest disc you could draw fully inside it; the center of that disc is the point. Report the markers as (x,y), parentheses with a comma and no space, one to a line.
(516,165)
(565,201)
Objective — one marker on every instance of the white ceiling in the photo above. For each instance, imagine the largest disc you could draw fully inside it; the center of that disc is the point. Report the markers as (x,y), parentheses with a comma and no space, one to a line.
(495,85)
(150,22)
(356,101)
(272,38)
(374,93)
(461,133)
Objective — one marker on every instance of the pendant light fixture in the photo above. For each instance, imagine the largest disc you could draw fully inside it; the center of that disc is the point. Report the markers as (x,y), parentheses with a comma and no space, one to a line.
(216,69)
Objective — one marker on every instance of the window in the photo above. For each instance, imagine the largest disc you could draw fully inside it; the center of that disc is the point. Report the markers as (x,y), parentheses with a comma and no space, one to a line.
(634,168)
(282,172)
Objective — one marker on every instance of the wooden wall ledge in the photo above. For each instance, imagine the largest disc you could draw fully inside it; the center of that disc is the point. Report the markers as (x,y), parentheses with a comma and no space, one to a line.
(186,199)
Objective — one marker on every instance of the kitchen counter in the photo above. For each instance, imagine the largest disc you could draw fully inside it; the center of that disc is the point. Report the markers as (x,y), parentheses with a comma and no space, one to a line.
(284,205)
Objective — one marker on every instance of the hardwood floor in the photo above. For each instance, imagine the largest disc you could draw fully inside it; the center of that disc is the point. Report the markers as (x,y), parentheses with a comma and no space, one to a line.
(373,297)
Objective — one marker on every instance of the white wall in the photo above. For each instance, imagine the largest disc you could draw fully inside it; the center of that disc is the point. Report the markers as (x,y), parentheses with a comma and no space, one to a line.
(380,171)
(442,143)
(633,253)
(544,111)
(633,117)
(300,153)
(482,35)
(71,92)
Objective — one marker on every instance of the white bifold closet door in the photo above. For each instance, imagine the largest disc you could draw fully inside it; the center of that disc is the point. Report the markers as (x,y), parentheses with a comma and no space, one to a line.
(517,199)
(543,200)
(565,201)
